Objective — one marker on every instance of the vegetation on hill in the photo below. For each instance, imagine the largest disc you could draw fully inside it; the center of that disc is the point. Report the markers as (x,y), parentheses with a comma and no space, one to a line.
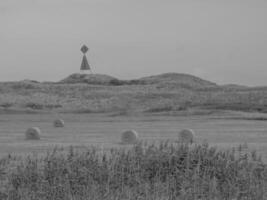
(179,80)
(95,79)
(163,171)
(102,93)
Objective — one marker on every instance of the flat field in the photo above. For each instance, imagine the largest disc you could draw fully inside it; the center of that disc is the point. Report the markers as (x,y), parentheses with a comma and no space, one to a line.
(105,131)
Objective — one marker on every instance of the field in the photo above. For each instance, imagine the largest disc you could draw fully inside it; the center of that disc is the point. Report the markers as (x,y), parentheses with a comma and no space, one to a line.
(95,164)
(105,131)
(159,170)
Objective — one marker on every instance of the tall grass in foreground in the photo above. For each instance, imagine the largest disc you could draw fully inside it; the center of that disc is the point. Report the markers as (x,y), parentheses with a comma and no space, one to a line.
(154,172)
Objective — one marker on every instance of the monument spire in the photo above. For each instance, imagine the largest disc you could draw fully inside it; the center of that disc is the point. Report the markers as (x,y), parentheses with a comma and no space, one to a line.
(85,65)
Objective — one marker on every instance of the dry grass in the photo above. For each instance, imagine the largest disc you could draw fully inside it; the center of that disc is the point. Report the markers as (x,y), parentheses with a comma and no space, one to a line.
(163,171)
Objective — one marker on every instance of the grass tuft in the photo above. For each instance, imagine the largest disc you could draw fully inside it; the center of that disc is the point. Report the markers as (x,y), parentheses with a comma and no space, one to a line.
(145,171)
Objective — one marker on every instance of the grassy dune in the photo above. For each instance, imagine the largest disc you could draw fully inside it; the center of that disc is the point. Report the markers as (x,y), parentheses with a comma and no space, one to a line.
(163,93)
(155,171)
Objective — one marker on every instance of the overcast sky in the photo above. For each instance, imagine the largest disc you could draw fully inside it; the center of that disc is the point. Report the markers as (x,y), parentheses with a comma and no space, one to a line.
(224,41)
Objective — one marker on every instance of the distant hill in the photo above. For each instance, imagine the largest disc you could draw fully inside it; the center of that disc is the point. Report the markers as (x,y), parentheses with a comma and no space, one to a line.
(176,79)
(163,80)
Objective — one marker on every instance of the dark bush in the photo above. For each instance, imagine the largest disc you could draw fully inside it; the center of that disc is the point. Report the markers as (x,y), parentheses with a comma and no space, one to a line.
(37,106)
(52,106)
(34,106)
(160,109)
(6,105)
(116,82)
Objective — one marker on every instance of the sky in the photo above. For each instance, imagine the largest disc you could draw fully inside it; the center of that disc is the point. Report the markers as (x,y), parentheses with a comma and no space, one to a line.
(224,41)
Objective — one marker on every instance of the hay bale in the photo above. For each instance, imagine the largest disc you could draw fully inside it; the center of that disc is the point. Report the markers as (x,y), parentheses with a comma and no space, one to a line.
(33,133)
(186,136)
(59,123)
(129,137)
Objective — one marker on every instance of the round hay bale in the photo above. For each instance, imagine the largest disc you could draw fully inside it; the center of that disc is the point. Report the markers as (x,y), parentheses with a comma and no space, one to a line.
(186,136)
(33,133)
(129,137)
(59,123)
